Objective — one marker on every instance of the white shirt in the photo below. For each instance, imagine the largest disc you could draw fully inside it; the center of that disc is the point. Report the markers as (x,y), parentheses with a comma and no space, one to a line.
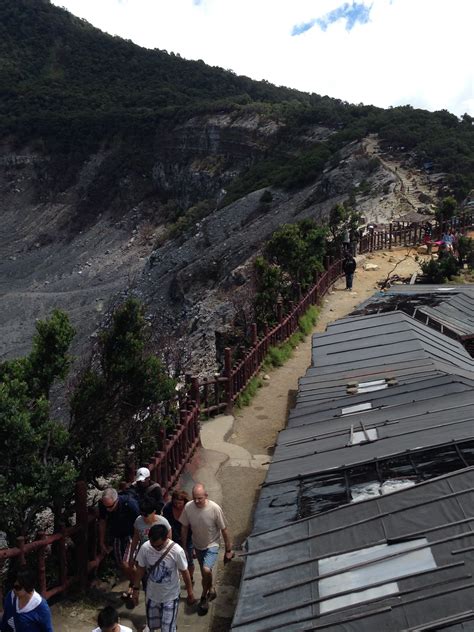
(122,628)
(163,581)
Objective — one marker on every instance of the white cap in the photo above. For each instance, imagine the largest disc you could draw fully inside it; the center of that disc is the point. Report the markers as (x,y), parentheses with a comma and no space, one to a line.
(142,474)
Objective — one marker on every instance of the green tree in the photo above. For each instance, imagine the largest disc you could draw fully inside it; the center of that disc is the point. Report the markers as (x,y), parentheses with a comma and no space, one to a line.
(465,248)
(298,249)
(119,400)
(446,209)
(338,217)
(271,285)
(35,471)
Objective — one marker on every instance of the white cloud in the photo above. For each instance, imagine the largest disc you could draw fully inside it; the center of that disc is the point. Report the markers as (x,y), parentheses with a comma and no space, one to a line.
(410,51)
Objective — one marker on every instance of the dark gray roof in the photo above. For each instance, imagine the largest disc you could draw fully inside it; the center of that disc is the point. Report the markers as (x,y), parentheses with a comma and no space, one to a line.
(387,405)
(430,404)
(297,577)
(450,307)
(360,341)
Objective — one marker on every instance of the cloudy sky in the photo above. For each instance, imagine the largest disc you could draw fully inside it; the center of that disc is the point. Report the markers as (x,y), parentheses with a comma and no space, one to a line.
(382,52)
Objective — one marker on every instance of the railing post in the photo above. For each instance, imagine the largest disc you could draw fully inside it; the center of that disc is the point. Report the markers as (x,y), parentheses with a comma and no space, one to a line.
(254,335)
(228,374)
(82,519)
(42,565)
(20,542)
(279,310)
(390,231)
(195,390)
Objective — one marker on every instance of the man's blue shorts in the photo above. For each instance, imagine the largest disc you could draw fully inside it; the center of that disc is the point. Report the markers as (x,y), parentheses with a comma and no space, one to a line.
(207,557)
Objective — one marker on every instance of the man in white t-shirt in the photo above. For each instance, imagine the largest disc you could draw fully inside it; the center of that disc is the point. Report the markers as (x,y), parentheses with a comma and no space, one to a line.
(163,560)
(108,621)
(207,522)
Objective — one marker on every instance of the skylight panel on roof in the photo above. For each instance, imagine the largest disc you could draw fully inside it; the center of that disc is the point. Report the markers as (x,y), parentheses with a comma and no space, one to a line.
(372,387)
(359,436)
(381,563)
(357,408)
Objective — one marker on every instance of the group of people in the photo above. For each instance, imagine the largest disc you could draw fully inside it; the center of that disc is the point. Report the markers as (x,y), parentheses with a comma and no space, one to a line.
(153,544)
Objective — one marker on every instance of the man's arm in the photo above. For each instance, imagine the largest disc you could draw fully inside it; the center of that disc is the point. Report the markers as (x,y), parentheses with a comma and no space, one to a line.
(229,554)
(184,535)
(102,526)
(137,578)
(133,547)
(189,586)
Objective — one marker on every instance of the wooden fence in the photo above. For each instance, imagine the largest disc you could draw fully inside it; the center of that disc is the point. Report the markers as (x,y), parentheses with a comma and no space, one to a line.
(69,557)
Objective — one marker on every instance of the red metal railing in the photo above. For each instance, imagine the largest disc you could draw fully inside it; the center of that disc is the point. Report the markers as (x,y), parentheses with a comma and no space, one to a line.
(73,553)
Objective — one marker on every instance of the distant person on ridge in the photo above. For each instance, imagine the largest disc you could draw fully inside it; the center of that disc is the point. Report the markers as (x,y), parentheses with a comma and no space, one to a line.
(349,266)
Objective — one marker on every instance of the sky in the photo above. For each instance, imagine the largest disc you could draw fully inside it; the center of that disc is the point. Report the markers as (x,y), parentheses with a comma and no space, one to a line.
(380,52)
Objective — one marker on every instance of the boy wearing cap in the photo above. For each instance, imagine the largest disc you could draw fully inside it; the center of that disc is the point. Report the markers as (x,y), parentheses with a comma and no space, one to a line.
(146,488)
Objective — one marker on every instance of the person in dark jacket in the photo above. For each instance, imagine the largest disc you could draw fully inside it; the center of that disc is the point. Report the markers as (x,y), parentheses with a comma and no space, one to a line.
(24,609)
(349,265)
(144,487)
(117,515)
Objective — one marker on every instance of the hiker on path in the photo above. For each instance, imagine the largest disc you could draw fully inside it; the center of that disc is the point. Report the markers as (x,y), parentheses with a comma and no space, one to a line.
(207,521)
(117,515)
(349,266)
(141,529)
(163,560)
(25,610)
(108,621)
(172,512)
(144,486)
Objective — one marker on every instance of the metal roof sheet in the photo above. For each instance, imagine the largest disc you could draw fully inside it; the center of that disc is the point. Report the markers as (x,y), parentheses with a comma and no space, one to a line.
(450,307)
(423,427)
(282,587)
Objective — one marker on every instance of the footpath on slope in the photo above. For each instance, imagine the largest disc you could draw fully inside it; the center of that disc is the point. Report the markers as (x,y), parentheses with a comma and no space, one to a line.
(233,457)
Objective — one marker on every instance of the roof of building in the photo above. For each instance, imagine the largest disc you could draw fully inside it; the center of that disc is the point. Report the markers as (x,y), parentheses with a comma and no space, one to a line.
(386,410)
(381,385)
(449,308)
(381,564)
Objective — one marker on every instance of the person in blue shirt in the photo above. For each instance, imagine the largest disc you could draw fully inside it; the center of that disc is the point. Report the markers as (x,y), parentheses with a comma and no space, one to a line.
(24,610)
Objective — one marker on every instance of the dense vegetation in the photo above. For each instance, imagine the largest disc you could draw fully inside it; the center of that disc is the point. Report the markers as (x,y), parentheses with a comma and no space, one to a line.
(71,88)
(290,260)
(116,407)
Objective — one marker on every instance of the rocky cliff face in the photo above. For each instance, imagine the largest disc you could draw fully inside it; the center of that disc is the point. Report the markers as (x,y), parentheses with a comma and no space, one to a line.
(83,248)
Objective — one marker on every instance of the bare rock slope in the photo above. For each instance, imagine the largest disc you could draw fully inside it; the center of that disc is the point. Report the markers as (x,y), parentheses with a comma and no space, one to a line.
(70,252)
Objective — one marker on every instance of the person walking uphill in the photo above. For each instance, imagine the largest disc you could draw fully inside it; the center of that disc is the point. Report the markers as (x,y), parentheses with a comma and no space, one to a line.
(24,609)
(207,521)
(349,266)
(163,560)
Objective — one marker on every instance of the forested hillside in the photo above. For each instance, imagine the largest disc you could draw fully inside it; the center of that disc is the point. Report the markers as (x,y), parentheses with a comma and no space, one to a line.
(70,87)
